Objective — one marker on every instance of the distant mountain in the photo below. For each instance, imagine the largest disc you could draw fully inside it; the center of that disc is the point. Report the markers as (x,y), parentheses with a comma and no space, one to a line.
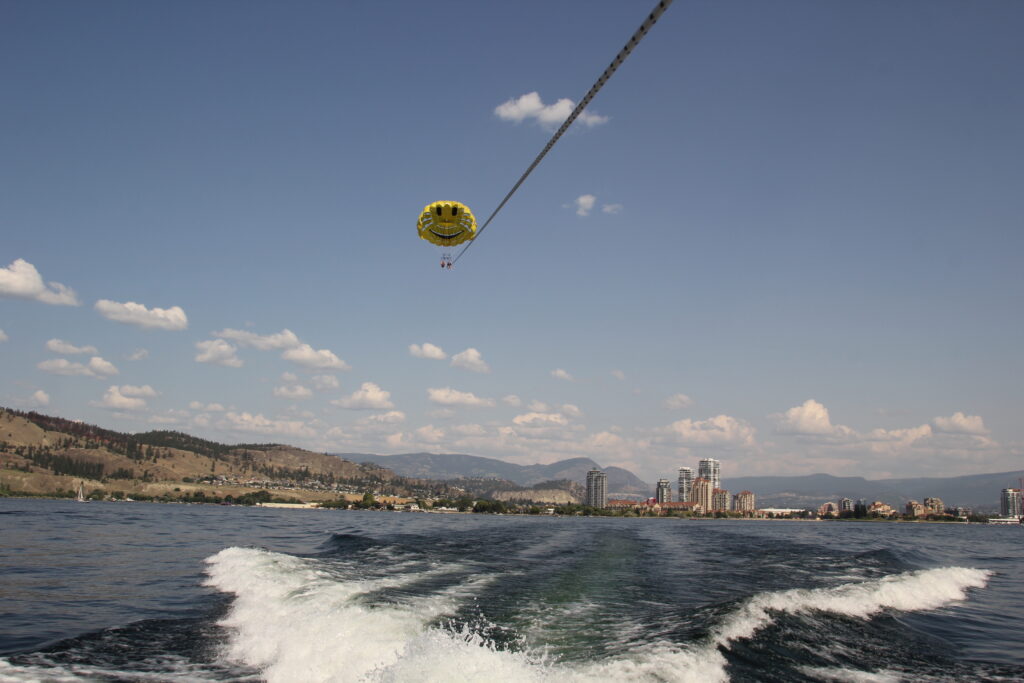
(457,466)
(980,491)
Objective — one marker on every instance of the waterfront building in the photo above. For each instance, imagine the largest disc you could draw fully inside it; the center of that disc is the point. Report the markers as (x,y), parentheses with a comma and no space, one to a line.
(744,501)
(1010,504)
(828,508)
(916,509)
(881,509)
(720,500)
(663,494)
(702,493)
(709,469)
(685,484)
(679,506)
(597,489)
(935,506)
(845,505)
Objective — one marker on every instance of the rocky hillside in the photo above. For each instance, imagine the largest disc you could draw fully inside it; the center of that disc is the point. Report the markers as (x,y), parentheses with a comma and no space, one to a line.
(36,444)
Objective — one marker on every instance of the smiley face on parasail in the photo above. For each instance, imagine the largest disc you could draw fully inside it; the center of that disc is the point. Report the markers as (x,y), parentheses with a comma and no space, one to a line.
(446,224)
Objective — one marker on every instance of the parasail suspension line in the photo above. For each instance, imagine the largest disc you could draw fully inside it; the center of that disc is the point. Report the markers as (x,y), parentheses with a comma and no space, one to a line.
(634,40)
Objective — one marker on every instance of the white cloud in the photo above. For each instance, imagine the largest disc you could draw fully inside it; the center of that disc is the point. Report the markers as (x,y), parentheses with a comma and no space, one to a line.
(540,419)
(390,417)
(538,407)
(721,430)
(289,377)
(530,106)
(678,402)
(810,419)
(115,399)
(325,382)
(619,375)
(131,313)
(21,280)
(39,398)
(470,430)
(62,366)
(559,373)
(257,423)
(512,400)
(470,359)
(584,204)
(427,350)
(144,391)
(442,413)
(97,367)
(60,346)
(218,352)
(139,354)
(430,434)
(3,336)
(285,339)
(611,208)
(209,407)
(452,397)
(293,392)
(102,367)
(958,423)
(396,440)
(571,410)
(307,356)
(368,397)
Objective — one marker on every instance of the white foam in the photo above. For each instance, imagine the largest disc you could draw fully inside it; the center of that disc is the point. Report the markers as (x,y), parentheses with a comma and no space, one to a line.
(297,621)
(844,675)
(908,592)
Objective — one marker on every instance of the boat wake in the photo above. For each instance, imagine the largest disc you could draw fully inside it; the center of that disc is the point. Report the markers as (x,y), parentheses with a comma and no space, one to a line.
(301,619)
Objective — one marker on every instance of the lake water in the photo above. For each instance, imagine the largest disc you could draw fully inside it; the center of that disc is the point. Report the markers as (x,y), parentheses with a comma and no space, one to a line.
(149,592)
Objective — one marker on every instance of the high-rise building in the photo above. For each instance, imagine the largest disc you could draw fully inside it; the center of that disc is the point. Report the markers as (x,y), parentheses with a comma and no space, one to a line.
(702,494)
(685,484)
(1010,503)
(597,489)
(709,469)
(845,505)
(720,500)
(744,501)
(935,506)
(663,494)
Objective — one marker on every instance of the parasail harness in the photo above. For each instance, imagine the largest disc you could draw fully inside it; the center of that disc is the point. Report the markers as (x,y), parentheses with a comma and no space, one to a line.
(634,40)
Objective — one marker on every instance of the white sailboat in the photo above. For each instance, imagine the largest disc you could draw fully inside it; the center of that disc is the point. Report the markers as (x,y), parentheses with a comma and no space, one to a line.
(81,494)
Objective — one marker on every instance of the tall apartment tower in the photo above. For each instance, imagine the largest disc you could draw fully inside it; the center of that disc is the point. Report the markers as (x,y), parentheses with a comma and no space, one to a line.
(685,484)
(663,494)
(1010,503)
(702,494)
(744,501)
(709,469)
(720,500)
(597,489)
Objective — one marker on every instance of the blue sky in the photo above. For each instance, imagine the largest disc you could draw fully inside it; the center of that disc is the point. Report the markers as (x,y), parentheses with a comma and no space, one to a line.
(788,235)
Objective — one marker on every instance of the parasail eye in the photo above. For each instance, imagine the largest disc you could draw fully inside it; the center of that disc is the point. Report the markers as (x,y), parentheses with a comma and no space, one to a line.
(455,212)
(439,211)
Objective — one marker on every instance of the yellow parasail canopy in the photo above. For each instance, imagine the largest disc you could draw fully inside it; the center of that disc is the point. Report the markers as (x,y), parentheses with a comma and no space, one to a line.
(446,224)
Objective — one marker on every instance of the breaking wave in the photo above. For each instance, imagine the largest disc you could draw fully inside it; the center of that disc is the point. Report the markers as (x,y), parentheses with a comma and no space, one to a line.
(301,619)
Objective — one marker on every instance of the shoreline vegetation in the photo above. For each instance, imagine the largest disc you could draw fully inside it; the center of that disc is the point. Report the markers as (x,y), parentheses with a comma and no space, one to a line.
(465,505)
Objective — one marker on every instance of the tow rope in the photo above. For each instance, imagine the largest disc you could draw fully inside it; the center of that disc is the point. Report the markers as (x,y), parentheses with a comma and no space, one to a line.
(634,40)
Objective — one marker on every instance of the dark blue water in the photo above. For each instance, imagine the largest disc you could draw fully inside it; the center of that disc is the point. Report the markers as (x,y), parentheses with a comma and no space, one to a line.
(148,592)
